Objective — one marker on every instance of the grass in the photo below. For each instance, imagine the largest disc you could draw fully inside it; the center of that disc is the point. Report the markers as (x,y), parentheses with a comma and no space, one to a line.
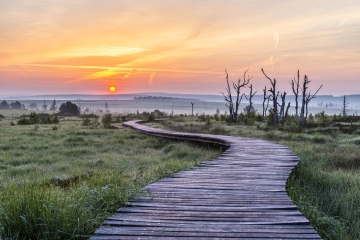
(61,183)
(325,185)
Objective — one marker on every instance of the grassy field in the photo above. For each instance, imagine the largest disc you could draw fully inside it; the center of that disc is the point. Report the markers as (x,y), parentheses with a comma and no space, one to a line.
(326,183)
(61,181)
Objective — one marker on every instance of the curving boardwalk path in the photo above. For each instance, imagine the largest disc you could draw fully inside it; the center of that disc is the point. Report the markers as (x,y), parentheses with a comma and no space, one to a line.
(241,195)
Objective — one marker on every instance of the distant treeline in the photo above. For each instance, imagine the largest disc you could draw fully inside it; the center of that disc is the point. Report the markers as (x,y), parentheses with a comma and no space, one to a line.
(161,98)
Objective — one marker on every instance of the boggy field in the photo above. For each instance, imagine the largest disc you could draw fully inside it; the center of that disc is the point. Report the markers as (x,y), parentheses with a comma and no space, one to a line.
(60,181)
(326,184)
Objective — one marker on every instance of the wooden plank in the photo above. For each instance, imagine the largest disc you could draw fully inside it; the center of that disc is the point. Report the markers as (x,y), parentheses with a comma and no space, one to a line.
(211,234)
(240,195)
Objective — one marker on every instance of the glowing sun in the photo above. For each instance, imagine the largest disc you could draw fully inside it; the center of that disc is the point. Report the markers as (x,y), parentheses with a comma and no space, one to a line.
(112,89)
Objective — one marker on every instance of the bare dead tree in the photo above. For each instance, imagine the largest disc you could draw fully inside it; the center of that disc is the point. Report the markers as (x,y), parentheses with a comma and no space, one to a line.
(228,98)
(266,98)
(295,87)
(308,98)
(273,97)
(192,109)
(241,83)
(233,110)
(250,98)
(282,107)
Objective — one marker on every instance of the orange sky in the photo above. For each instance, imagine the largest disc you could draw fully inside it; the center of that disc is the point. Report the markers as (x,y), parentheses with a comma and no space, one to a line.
(63,47)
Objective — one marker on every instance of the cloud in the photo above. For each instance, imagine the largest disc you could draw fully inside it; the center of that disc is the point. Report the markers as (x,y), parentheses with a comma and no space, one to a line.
(151,79)
(208,21)
(271,61)
(276,38)
(131,72)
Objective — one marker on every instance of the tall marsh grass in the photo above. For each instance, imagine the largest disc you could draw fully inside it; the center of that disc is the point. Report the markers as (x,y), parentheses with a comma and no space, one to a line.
(326,184)
(62,184)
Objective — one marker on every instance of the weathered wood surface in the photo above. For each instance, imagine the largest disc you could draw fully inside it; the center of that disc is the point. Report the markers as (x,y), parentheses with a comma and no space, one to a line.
(241,194)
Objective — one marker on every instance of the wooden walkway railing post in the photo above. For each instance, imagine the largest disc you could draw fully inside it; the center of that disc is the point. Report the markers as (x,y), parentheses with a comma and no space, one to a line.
(240,195)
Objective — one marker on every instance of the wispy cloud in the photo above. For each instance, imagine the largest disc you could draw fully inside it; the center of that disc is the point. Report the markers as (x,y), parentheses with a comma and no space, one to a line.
(131,72)
(276,38)
(271,62)
(151,78)
(205,24)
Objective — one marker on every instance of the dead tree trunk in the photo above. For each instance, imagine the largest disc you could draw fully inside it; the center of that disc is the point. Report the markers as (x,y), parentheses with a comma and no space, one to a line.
(192,109)
(287,111)
(282,109)
(295,87)
(233,110)
(345,104)
(265,98)
(273,97)
(250,98)
(303,89)
(228,98)
(241,83)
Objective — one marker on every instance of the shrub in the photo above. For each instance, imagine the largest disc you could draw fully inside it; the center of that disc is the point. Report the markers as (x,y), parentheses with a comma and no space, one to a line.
(46,120)
(208,121)
(202,118)
(270,118)
(86,122)
(34,118)
(249,121)
(151,117)
(106,120)
(95,123)
(241,117)
(259,118)
(55,120)
(310,119)
(23,121)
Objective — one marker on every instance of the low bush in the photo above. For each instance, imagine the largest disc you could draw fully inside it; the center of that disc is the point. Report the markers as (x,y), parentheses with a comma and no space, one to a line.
(106,120)
(35,118)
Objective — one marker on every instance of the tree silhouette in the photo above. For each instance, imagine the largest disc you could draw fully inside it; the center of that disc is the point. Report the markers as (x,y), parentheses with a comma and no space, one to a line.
(53,106)
(4,105)
(15,105)
(69,107)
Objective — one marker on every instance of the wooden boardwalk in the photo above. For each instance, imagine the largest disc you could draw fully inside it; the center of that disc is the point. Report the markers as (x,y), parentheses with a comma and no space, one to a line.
(241,195)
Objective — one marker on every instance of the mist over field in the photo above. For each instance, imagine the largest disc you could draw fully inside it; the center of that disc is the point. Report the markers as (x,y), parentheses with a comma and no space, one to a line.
(179,103)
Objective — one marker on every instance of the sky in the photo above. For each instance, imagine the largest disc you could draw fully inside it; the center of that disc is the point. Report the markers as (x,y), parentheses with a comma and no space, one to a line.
(87,46)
